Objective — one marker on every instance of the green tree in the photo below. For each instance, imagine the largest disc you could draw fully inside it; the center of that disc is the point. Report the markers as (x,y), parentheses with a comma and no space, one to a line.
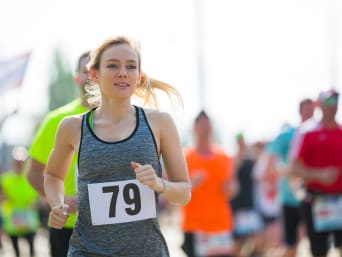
(61,85)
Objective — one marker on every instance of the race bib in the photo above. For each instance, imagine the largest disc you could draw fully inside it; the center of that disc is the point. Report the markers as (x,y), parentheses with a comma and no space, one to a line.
(25,220)
(327,213)
(212,244)
(121,201)
(247,221)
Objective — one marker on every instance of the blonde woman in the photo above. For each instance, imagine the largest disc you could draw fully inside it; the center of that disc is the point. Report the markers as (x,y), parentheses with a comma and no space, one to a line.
(119,146)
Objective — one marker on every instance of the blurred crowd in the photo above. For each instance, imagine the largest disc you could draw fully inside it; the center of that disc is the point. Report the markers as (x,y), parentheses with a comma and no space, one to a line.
(269,195)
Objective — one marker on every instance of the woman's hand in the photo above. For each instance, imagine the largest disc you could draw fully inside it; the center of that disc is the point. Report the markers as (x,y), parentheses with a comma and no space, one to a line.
(147,176)
(58,216)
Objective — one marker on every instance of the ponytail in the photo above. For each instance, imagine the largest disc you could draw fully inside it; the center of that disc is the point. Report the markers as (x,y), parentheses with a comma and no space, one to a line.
(146,91)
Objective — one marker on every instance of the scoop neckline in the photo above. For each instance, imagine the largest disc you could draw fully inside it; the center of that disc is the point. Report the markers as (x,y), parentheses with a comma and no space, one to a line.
(113,142)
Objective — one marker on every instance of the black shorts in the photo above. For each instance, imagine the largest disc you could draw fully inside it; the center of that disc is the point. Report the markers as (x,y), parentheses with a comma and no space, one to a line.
(292,217)
(188,245)
(59,241)
(269,219)
(319,241)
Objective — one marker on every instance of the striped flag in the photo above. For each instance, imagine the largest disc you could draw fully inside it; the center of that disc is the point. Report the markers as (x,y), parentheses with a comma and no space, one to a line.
(12,71)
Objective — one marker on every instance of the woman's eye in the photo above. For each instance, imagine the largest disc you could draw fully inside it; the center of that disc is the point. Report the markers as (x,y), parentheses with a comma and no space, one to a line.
(132,67)
(112,65)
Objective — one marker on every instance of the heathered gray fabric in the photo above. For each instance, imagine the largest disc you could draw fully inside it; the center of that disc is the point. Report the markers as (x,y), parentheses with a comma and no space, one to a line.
(101,161)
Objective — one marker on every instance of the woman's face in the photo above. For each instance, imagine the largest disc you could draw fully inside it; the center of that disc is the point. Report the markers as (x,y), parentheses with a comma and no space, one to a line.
(118,74)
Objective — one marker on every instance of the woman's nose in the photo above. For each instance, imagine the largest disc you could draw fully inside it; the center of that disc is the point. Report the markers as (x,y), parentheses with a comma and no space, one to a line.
(123,72)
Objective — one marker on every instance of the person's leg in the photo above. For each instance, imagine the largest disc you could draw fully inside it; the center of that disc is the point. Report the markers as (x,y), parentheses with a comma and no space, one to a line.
(59,241)
(291,221)
(272,237)
(14,240)
(258,244)
(319,242)
(1,231)
(238,242)
(30,239)
(188,244)
(338,241)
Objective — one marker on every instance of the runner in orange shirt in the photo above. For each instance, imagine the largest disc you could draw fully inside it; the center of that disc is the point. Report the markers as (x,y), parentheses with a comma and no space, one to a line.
(207,220)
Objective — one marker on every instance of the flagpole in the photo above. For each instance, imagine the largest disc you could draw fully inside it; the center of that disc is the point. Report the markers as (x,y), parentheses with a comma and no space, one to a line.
(199,39)
(332,40)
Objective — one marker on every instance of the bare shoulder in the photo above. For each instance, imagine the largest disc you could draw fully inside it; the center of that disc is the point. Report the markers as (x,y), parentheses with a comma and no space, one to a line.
(158,118)
(71,123)
(69,129)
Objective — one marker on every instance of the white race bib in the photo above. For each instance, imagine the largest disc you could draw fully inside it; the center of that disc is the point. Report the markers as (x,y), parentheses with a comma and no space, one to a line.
(327,213)
(212,244)
(247,221)
(26,220)
(121,201)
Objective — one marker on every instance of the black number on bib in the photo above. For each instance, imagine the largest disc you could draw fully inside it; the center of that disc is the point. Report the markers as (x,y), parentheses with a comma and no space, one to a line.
(131,196)
(115,191)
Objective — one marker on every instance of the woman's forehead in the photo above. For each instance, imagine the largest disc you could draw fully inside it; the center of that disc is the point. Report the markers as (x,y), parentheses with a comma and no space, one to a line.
(120,52)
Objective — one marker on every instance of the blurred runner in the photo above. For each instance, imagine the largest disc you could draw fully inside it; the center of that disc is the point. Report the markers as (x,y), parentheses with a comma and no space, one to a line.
(208,220)
(317,158)
(40,150)
(20,214)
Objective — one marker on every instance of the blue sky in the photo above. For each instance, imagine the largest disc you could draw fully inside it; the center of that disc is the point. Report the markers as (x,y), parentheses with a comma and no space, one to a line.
(259,57)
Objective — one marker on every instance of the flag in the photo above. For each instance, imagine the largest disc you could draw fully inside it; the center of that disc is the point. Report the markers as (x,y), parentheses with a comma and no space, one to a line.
(12,71)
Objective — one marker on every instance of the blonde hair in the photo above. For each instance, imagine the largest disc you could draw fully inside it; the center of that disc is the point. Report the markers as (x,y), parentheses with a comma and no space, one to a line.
(146,89)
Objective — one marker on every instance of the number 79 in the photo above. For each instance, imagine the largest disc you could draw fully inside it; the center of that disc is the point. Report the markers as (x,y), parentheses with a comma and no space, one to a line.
(131,196)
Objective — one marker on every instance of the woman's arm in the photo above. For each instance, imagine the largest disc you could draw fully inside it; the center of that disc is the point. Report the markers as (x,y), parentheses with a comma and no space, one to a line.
(177,187)
(66,140)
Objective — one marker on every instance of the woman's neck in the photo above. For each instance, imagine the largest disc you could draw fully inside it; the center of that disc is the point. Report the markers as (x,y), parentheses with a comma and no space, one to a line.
(114,110)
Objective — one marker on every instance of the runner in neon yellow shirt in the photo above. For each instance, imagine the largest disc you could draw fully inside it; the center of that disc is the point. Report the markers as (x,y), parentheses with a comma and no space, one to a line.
(43,143)
(19,209)
(39,153)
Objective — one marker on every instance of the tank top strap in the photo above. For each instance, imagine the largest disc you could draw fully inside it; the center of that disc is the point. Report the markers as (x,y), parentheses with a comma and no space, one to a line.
(141,115)
(144,125)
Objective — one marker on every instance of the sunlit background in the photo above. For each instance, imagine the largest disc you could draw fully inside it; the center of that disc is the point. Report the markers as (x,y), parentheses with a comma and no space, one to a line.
(247,62)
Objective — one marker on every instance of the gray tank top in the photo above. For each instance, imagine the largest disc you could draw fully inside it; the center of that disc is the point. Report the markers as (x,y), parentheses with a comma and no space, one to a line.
(104,163)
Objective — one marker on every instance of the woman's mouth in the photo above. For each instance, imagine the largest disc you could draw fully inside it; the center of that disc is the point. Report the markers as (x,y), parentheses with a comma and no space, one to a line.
(121,85)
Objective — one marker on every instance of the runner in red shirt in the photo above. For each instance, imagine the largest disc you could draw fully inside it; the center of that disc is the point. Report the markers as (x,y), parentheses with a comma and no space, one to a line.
(317,159)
